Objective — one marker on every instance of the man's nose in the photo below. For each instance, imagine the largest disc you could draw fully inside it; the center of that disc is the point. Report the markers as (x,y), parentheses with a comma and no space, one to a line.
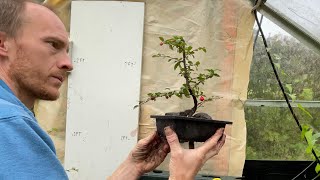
(65,63)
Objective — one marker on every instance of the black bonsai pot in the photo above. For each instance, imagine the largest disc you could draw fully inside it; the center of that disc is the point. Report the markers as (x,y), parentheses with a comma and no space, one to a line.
(189,129)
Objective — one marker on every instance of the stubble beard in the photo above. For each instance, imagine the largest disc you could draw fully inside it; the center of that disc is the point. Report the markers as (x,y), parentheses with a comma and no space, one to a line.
(30,82)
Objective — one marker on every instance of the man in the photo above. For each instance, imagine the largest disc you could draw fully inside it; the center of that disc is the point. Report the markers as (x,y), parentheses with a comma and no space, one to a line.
(33,64)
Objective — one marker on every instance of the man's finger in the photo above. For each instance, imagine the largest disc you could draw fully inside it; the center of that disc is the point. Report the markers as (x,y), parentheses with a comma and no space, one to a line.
(172,139)
(210,143)
(215,150)
(163,151)
(149,139)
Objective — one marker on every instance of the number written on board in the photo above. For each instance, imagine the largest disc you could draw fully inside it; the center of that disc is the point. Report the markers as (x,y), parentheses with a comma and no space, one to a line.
(78,60)
(130,63)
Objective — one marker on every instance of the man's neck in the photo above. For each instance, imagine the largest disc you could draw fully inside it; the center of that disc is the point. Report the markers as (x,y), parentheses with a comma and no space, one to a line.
(27,100)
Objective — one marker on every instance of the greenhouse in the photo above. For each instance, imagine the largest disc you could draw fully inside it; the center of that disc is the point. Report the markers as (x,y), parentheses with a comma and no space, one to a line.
(252,65)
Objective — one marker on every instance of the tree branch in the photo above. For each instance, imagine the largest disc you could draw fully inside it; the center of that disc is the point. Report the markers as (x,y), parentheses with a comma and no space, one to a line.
(186,76)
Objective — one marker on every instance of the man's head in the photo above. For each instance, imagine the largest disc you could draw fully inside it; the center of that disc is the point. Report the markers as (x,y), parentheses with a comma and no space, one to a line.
(33,50)
(10,13)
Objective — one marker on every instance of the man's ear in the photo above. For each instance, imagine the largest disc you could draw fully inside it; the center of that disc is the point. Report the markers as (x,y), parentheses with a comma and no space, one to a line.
(3,44)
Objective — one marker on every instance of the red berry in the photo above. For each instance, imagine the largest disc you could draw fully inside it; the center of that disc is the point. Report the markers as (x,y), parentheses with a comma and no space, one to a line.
(161,43)
(201,98)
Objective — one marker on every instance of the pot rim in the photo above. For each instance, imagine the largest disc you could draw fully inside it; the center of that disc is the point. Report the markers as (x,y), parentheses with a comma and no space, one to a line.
(171,117)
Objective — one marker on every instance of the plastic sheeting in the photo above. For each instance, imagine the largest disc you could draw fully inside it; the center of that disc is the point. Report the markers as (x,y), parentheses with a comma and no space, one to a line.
(305,14)
(225,29)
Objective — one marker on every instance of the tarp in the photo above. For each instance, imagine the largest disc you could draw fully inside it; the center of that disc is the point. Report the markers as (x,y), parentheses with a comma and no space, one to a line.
(225,29)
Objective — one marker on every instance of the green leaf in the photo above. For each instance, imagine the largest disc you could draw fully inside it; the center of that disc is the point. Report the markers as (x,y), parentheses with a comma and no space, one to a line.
(277,65)
(308,136)
(268,49)
(277,57)
(161,38)
(307,94)
(309,150)
(289,88)
(305,129)
(185,92)
(304,110)
(179,95)
(283,73)
(317,168)
(297,81)
(316,136)
(177,65)
(293,96)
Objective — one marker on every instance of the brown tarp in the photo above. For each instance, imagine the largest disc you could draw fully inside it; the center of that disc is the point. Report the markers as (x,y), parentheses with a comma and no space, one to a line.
(225,29)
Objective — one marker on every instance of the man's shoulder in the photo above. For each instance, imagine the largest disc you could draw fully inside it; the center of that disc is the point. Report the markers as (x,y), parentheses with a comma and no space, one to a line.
(8,110)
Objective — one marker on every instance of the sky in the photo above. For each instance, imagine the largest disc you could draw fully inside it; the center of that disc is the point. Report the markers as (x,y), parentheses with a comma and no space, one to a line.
(304,13)
(269,28)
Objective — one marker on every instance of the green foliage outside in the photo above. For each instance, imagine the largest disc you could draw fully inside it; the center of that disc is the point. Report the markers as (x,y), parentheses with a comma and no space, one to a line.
(272,131)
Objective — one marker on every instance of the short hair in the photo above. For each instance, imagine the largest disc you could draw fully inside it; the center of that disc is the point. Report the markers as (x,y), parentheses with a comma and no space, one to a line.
(11,16)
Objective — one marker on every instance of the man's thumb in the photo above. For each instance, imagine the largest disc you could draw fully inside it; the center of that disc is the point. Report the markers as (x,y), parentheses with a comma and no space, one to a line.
(172,139)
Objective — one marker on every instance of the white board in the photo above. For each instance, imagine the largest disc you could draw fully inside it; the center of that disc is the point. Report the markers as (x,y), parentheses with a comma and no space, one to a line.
(104,86)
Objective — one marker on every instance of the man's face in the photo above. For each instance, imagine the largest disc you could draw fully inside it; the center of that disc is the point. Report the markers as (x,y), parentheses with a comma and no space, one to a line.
(40,61)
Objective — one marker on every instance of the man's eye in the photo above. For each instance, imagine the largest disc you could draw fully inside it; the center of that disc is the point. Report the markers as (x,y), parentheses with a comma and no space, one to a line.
(53,44)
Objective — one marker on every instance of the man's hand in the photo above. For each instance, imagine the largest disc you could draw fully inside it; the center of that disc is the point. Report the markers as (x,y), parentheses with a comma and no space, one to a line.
(149,153)
(185,163)
(145,156)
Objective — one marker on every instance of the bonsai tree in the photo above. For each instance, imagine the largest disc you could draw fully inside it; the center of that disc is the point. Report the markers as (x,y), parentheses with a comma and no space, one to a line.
(188,69)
